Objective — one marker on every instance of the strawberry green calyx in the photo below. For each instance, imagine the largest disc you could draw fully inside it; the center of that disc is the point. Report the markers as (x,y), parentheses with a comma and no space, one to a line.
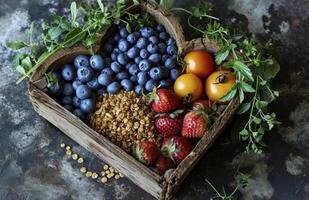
(176,113)
(138,153)
(152,96)
(168,150)
(202,112)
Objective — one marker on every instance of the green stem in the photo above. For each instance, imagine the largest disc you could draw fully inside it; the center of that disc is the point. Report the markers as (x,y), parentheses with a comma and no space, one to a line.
(193,27)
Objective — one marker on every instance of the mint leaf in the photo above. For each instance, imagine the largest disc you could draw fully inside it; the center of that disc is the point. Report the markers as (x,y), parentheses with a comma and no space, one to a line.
(230,95)
(244,108)
(73,11)
(241,68)
(246,87)
(16,44)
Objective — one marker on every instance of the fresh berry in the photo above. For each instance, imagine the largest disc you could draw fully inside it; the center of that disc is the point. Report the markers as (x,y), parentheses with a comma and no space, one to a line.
(133,52)
(87,105)
(206,104)
(85,74)
(176,147)
(105,79)
(83,92)
(164,163)
(141,43)
(152,48)
(76,83)
(170,42)
(97,62)
(164,100)
(147,32)
(81,61)
(165,57)
(195,123)
(123,33)
(155,58)
(123,45)
(68,72)
(126,84)
(171,50)
(146,152)
(161,48)
(166,83)
(133,78)
(67,89)
(116,67)
(160,28)
(122,75)
(94,84)
(137,60)
(115,53)
(122,59)
(132,38)
(139,89)
(79,113)
(169,124)
(144,65)
(144,53)
(164,36)
(55,89)
(170,63)
(102,92)
(113,88)
(108,71)
(117,37)
(174,74)
(142,78)
(153,39)
(156,73)
(133,70)
(76,101)
(150,85)
(67,100)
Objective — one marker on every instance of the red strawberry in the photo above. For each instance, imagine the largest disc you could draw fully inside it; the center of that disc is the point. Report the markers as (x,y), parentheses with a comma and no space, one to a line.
(146,152)
(206,104)
(176,148)
(163,163)
(164,100)
(169,124)
(195,123)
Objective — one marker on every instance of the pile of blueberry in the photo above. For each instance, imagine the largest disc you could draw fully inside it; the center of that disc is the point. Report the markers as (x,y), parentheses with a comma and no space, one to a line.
(137,61)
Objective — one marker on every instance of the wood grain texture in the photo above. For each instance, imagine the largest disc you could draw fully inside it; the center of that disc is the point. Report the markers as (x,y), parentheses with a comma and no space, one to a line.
(161,187)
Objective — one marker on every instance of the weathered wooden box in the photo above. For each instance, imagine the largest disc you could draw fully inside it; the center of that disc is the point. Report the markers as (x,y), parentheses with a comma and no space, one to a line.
(161,187)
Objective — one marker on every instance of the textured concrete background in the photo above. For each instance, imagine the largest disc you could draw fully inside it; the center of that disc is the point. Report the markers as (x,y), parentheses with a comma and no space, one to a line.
(32,166)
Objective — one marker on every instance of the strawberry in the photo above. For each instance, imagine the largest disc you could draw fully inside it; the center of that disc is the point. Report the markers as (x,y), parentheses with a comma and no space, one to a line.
(176,148)
(164,100)
(206,104)
(163,163)
(169,124)
(146,152)
(195,123)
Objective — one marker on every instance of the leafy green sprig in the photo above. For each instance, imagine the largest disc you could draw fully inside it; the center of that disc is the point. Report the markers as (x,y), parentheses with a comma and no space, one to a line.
(63,32)
(254,68)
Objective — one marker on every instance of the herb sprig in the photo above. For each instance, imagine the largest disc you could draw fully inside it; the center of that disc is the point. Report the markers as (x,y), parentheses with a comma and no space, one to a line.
(63,32)
(254,68)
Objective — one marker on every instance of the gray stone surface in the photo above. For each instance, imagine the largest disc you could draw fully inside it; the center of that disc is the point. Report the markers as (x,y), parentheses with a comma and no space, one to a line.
(32,166)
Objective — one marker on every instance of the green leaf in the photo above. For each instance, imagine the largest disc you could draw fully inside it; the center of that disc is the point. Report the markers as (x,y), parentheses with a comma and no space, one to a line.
(20,69)
(167,3)
(100,3)
(257,120)
(136,2)
(246,87)
(261,104)
(241,95)
(230,95)
(271,69)
(244,108)
(221,56)
(54,33)
(26,62)
(74,11)
(241,68)
(16,44)
(244,132)
(73,37)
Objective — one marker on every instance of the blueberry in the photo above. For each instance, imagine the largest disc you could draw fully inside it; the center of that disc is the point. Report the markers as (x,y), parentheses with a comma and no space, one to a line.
(57,75)
(79,113)
(133,78)
(127,84)
(161,48)
(83,92)
(154,39)
(155,58)
(76,83)
(152,48)
(133,70)
(76,101)
(147,32)
(170,42)
(141,43)
(150,85)
(121,25)
(108,47)
(122,75)
(123,45)
(138,59)
(142,78)
(67,89)
(144,65)
(174,74)
(156,73)
(85,74)
(108,71)
(115,53)
(68,107)
(55,89)
(97,62)
(117,37)
(68,72)
(116,67)
(144,53)
(122,59)
(101,92)
(123,33)
(113,88)
(165,57)
(81,61)
(87,105)
(132,38)
(128,66)
(107,62)
(160,28)
(133,52)
(139,89)
(166,83)
(67,100)
(94,84)
(105,79)
(164,36)
(171,50)
(170,63)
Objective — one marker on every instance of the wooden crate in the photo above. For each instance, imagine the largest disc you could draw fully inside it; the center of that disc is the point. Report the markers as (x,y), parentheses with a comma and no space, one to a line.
(161,187)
